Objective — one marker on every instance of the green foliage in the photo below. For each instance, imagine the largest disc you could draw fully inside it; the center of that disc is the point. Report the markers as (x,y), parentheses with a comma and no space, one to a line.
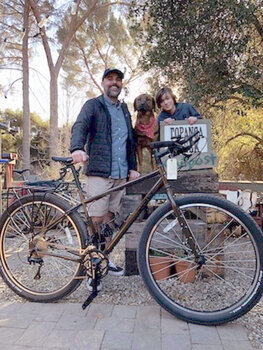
(39,138)
(213,48)
(238,140)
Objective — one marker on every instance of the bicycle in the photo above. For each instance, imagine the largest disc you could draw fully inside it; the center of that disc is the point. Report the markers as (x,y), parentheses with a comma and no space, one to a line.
(47,249)
(59,186)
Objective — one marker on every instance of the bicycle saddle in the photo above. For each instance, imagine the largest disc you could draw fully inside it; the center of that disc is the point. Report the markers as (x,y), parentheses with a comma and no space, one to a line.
(64,160)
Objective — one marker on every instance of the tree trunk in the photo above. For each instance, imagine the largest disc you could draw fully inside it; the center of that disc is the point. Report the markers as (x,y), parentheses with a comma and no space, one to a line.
(73,26)
(26,108)
(53,146)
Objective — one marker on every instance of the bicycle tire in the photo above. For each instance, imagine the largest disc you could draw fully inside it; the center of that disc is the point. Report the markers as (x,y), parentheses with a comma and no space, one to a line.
(25,220)
(228,282)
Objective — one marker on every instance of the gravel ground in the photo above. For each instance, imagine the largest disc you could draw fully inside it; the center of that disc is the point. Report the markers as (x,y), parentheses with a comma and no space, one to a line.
(131,291)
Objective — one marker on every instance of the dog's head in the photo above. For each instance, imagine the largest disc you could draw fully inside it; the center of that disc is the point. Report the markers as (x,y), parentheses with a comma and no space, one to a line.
(144,103)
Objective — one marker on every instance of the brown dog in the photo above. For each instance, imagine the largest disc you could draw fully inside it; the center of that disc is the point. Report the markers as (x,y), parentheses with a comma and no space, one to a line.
(146,128)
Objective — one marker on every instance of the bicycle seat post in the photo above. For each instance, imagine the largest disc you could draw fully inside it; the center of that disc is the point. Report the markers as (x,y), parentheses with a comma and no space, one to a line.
(82,199)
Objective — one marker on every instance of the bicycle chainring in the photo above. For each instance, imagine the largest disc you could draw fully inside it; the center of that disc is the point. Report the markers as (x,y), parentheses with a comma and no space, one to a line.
(103,265)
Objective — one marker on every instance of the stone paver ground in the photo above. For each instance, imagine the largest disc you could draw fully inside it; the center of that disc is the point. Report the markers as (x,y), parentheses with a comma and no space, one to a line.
(109,327)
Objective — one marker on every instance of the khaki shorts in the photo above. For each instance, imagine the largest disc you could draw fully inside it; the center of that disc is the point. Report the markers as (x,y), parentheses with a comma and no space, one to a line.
(96,185)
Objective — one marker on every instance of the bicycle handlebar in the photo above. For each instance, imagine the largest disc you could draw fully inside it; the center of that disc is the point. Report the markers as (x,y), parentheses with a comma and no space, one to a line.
(175,147)
(172,146)
(178,141)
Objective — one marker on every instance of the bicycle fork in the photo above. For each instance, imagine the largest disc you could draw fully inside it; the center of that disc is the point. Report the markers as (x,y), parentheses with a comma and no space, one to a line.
(186,230)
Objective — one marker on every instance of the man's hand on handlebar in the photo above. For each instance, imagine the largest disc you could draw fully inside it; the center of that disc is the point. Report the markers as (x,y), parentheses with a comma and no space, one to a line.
(79,156)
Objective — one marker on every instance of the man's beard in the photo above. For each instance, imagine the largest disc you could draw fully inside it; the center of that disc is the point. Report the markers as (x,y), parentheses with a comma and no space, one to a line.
(113,93)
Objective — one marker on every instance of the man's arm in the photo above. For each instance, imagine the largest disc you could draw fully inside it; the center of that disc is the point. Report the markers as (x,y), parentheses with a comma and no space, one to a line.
(193,115)
(193,112)
(81,127)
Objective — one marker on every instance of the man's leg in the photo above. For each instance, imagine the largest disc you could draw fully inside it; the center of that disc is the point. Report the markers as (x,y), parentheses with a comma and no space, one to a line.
(103,211)
(100,222)
(114,208)
(98,210)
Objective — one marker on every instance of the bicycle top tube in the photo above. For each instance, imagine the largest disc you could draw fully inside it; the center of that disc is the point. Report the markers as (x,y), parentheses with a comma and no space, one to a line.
(176,147)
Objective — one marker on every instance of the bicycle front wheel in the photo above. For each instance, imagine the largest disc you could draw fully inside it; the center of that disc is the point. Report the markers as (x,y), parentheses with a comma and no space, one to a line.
(224,281)
(37,257)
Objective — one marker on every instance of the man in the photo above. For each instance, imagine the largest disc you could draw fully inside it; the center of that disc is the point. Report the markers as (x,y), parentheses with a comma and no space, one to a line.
(104,127)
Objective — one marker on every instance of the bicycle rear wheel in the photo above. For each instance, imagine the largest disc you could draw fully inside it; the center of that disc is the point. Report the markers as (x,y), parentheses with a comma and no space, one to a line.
(224,282)
(31,255)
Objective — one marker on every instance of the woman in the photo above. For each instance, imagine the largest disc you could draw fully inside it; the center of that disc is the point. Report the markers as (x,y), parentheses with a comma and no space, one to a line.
(172,110)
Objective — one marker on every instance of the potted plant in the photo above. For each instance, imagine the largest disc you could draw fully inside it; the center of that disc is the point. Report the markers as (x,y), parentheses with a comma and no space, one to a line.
(160,264)
(185,269)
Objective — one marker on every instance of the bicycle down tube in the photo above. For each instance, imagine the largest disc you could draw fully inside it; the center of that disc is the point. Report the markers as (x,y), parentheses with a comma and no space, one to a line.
(162,181)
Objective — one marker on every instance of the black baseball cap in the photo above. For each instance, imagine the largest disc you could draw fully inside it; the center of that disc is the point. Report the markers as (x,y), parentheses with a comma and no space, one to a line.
(112,70)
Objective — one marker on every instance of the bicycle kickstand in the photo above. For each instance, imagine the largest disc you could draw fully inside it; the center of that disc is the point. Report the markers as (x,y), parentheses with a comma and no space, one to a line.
(95,262)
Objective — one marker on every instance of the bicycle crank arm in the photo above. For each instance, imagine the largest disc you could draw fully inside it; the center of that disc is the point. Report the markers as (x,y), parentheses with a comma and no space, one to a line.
(89,299)
(95,263)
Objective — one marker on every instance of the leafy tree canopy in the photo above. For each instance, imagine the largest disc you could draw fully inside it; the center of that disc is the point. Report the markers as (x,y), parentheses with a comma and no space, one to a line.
(103,41)
(213,48)
(238,140)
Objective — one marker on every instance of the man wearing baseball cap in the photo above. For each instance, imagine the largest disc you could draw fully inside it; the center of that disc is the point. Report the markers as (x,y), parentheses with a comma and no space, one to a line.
(102,138)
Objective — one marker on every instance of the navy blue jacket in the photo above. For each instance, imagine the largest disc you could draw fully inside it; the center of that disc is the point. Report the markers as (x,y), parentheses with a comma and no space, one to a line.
(93,130)
(182,111)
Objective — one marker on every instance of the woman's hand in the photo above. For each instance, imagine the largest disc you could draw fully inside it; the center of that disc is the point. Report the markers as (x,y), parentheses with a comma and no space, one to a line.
(192,120)
(133,174)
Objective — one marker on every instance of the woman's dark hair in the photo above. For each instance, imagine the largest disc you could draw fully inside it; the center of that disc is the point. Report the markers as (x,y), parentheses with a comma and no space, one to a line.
(161,92)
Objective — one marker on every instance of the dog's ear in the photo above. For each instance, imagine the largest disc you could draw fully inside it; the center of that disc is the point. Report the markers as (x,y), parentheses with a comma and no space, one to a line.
(134,105)
(154,104)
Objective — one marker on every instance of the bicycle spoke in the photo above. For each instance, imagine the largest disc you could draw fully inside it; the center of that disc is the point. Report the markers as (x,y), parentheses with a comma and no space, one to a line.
(29,223)
(227,258)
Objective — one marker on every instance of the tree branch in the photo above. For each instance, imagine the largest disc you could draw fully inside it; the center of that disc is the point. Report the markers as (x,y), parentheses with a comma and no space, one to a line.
(260,140)
(73,27)
(88,68)
(258,26)
(43,35)
(98,49)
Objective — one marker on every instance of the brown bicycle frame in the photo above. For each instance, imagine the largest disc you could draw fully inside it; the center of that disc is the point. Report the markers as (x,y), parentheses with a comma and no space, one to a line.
(162,181)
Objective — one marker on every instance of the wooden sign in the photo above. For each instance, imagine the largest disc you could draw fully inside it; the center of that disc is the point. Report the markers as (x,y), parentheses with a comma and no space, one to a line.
(202,156)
